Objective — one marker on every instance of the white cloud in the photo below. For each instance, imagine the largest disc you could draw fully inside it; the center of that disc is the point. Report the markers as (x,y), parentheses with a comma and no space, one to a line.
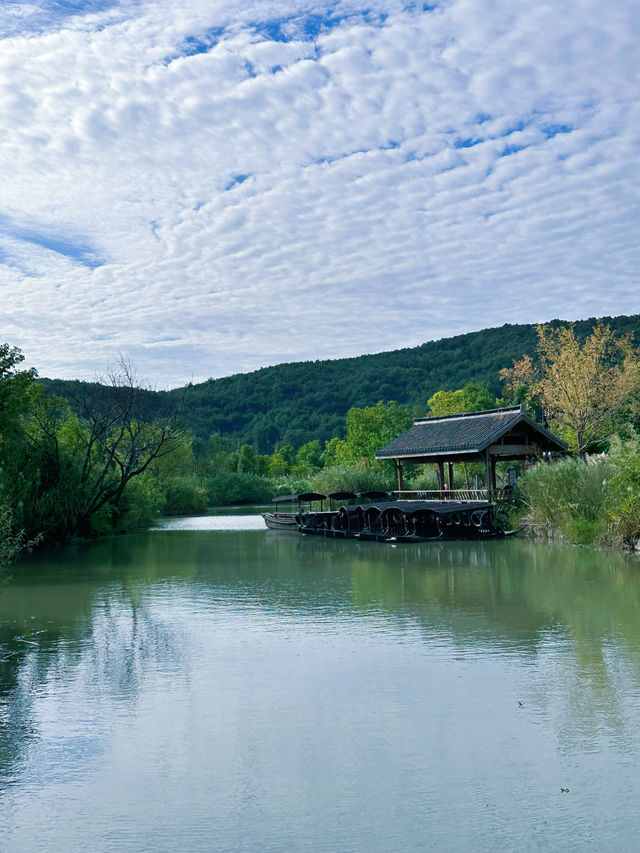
(264,185)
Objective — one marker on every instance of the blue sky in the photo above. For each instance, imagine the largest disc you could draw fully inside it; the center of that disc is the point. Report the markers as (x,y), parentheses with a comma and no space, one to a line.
(211,187)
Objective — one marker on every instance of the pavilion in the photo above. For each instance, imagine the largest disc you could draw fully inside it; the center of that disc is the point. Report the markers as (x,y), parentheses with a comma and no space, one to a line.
(490,436)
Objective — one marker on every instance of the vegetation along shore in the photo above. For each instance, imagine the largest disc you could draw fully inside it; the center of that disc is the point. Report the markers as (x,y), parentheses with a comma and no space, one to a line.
(86,459)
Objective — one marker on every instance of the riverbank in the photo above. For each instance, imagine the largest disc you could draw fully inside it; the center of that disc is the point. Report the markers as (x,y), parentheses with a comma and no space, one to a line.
(595,501)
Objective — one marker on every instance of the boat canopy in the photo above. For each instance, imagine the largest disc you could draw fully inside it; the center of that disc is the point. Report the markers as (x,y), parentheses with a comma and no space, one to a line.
(307,496)
(342,496)
(373,496)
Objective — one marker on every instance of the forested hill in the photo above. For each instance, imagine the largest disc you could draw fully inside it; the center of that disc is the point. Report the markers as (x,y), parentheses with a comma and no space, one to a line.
(294,403)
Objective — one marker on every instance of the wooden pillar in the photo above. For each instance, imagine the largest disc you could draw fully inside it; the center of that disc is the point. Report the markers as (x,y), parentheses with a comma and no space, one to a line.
(400,475)
(487,467)
(441,475)
(451,475)
(493,473)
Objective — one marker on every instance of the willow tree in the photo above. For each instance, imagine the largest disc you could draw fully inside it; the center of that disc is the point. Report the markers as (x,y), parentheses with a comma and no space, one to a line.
(580,386)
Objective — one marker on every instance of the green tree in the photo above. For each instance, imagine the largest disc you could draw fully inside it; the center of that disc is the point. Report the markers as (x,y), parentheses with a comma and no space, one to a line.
(331,452)
(262,463)
(75,469)
(278,464)
(17,391)
(16,388)
(474,397)
(308,458)
(180,462)
(369,429)
(172,484)
(220,455)
(281,461)
(247,459)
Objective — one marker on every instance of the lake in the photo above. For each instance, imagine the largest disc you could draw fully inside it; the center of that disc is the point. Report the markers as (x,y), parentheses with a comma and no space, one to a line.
(214,686)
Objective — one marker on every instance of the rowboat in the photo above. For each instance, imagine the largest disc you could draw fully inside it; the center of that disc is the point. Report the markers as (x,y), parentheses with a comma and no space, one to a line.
(277,520)
(280,520)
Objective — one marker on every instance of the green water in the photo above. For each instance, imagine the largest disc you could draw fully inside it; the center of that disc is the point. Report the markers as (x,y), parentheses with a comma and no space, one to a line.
(249,690)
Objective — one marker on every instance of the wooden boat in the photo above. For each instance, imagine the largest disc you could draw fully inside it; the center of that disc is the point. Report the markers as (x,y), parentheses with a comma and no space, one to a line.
(277,520)
(405,521)
(280,520)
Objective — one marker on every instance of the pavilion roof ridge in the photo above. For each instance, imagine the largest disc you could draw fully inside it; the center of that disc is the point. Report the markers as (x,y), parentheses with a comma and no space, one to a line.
(502,410)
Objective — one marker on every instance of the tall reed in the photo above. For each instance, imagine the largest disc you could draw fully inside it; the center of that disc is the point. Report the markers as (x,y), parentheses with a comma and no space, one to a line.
(567,499)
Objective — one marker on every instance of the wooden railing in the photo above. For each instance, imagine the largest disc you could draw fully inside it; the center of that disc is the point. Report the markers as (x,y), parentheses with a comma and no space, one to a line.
(463,495)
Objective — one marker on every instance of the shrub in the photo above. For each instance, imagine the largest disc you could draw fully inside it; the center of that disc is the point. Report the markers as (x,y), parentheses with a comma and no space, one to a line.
(423,478)
(567,498)
(234,488)
(141,503)
(351,478)
(623,492)
(184,494)
(289,484)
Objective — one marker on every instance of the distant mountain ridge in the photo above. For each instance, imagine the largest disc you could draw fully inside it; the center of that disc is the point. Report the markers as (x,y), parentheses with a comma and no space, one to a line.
(299,401)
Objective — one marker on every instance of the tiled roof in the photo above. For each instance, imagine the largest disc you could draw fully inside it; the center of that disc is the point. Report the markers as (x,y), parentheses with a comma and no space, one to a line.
(465,433)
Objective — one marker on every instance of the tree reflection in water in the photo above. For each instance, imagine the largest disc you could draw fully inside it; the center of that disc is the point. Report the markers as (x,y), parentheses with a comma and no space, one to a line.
(99,616)
(58,626)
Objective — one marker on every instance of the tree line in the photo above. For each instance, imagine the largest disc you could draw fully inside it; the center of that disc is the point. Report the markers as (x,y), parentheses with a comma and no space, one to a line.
(112,455)
(103,460)
(302,401)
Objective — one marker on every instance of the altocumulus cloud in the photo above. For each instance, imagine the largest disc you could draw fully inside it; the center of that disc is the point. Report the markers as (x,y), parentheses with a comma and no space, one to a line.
(212,187)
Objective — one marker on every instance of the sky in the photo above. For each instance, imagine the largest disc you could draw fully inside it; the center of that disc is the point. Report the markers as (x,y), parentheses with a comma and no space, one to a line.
(211,186)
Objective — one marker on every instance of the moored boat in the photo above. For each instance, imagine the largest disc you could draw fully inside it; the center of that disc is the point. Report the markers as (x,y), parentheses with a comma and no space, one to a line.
(280,520)
(405,521)
(277,520)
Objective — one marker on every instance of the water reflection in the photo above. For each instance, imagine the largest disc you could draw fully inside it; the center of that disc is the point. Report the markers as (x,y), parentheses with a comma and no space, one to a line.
(54,632)
(214,521)
(435,638)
